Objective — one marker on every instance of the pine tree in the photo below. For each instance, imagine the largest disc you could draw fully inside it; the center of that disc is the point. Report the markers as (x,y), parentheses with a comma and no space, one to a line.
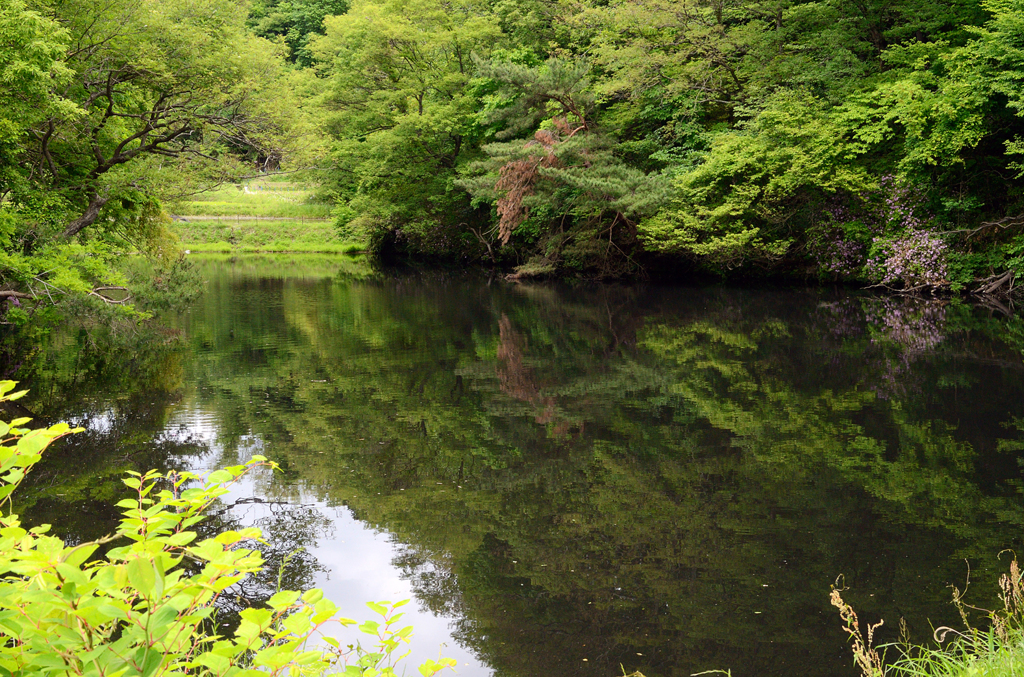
(557,186)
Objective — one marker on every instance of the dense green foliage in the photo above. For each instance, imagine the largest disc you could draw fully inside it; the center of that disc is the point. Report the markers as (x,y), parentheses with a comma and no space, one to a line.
(599,138)
(294,22)
(872,142)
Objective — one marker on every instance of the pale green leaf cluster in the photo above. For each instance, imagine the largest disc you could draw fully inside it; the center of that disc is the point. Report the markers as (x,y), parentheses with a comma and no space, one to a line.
(735,204)
(147,607)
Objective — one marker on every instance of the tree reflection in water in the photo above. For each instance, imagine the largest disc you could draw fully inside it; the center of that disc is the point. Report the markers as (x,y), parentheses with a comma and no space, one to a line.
(667,479)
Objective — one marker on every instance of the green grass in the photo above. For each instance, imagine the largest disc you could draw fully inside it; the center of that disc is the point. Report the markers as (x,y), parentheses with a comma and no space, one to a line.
(253,206)
(254,235)
(274,247)
(982,655)
(264,215)
(281,265)
(259,197)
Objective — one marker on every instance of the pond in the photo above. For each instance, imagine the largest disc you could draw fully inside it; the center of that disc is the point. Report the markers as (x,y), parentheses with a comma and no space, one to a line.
(570,480)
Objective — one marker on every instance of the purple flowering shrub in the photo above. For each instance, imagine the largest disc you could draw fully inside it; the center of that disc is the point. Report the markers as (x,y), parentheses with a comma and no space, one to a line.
(902,206)
(884,237)
(913,259)
(845,257)
(837,254)
(910,257)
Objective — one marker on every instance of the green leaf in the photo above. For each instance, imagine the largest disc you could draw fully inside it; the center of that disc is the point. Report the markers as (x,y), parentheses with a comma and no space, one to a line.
(164,616)
(219,477)
(111,611)
(261,617)
(282,600)
(217,663)
(80,554)
(312,596)
(431,667)
(151,661)
(34,442)
(298,624)
(142,576)
(181,538)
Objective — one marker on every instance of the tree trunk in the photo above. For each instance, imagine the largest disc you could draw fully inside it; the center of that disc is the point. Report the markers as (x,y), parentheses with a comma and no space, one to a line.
(88,217)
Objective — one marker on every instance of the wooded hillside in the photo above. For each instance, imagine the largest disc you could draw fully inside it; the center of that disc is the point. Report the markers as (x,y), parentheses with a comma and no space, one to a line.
(875,141)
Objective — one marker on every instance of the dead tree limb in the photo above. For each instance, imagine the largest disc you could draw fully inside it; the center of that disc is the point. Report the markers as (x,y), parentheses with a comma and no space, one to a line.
(106,299)
(490,251)
(994,283)
(1001,224)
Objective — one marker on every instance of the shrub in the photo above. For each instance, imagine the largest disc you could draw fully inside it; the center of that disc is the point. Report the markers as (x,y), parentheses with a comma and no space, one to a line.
(915,259)
(147,607)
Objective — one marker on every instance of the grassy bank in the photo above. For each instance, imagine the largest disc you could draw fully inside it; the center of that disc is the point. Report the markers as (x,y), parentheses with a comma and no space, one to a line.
(995,651)
(263,215)
(292,265)
(247,234)
(270,196)
(988,656)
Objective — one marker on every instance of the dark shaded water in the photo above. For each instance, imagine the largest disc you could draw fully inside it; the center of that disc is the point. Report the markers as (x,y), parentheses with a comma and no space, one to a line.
(570,480)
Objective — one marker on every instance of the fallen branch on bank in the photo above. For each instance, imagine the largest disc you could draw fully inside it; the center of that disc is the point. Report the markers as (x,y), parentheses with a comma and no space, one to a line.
(994,284)
(47,288)
(918,289)
(96,291)
(999,284)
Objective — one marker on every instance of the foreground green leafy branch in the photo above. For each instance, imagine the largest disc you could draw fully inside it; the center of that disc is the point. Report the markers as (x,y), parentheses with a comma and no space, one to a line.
(147,607)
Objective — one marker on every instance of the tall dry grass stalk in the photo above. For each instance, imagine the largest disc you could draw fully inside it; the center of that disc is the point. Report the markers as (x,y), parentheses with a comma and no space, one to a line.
(1012,596)
(866,656)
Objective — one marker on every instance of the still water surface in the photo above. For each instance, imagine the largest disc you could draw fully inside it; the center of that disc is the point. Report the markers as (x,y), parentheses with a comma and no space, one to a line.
(572,480)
